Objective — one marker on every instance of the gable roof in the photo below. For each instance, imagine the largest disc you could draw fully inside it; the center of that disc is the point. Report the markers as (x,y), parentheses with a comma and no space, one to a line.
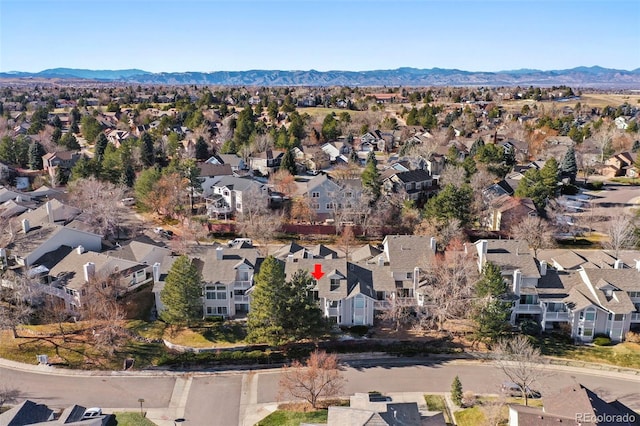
(579,399)
(405,252)
(26,413)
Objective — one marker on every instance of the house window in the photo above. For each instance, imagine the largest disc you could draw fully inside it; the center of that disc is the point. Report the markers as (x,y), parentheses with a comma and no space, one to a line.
(348,194)
(358,302)
(238,206)
(315,206)
(634,294)
(243,275)
(333,304)
(329,206)
(409,275)
(218,292)
(335,284)
(590,315)
(618,317)
(221,310)
(588,332)
(528,299)
(315,195)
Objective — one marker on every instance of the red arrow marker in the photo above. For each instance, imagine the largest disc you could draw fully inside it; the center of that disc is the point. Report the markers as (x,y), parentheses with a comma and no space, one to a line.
(317,272)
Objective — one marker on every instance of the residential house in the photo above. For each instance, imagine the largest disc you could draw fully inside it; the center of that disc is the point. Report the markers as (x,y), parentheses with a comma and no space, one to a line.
(7,194)
(336,155)
(506,211)
(573,405)
(583,291)
(620,165)
(117,137)
(209,174)
(31,413)
(367,409)
(31,243)
(266,162)
(415,185)
(59,160)
(225,194)
(327,196)
(345,292)
(227,276)
(237,164)
(66,272)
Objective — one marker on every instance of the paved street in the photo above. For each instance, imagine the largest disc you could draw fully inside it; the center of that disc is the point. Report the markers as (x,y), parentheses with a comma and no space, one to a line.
(480,378)
(102,391)
(231,398)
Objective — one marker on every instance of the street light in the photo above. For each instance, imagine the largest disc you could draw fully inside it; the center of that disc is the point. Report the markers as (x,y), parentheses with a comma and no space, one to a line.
(141,400)
(177,422)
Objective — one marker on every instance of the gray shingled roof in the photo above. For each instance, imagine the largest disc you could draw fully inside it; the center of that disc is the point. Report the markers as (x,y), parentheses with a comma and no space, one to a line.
(405,252)
(25,413)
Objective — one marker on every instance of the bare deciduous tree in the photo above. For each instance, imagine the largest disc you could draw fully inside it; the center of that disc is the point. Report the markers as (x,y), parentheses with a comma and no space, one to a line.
(257,221)
(448,288)
(100,202)
(535,231)
(398,311)
(104,312)
(346,241)
(452,175)
(16,302)
(520,361)
(621,232)
(319,378)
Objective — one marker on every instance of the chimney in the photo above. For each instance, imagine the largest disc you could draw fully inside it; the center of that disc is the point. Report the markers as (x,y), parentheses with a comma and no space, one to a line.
(89,271)
(432,244)
(80,249)
(517,280)
(219,253)
(3,258)
(25,225)
(381,260)
(637,264)
(156,272)
(47,206)
(19,199)
(482,247)
(543,268)
(618,264)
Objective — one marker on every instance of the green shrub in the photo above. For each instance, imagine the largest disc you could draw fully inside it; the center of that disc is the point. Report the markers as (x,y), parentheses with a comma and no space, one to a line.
(602,341)
(530,327)
(596,185)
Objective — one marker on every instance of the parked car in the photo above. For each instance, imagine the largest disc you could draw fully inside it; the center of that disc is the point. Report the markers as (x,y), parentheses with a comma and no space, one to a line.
(166,233)
(238,241)
(92,412)
(514,390)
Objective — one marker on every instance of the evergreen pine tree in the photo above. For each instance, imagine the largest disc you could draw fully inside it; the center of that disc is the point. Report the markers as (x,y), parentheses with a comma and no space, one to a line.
(181,295)
(491,282)
(264,319)
(202,149)
(36,151)
(492,319)
(568,166)
(289,163)
(301,315)
(101,145)
(456,391)
(147,154)
(371,177)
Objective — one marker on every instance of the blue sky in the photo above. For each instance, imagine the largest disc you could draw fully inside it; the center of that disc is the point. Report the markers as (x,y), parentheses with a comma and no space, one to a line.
(210,35)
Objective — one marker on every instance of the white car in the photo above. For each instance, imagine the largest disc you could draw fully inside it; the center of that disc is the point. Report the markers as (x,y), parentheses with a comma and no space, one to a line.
(91,413)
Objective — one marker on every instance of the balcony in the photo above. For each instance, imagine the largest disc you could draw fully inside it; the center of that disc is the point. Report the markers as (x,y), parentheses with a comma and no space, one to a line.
(556,316)
(240,299)
(242,285)
(527,309)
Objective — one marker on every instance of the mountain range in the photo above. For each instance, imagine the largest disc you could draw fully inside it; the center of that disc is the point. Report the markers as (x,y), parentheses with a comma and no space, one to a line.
(595,76)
